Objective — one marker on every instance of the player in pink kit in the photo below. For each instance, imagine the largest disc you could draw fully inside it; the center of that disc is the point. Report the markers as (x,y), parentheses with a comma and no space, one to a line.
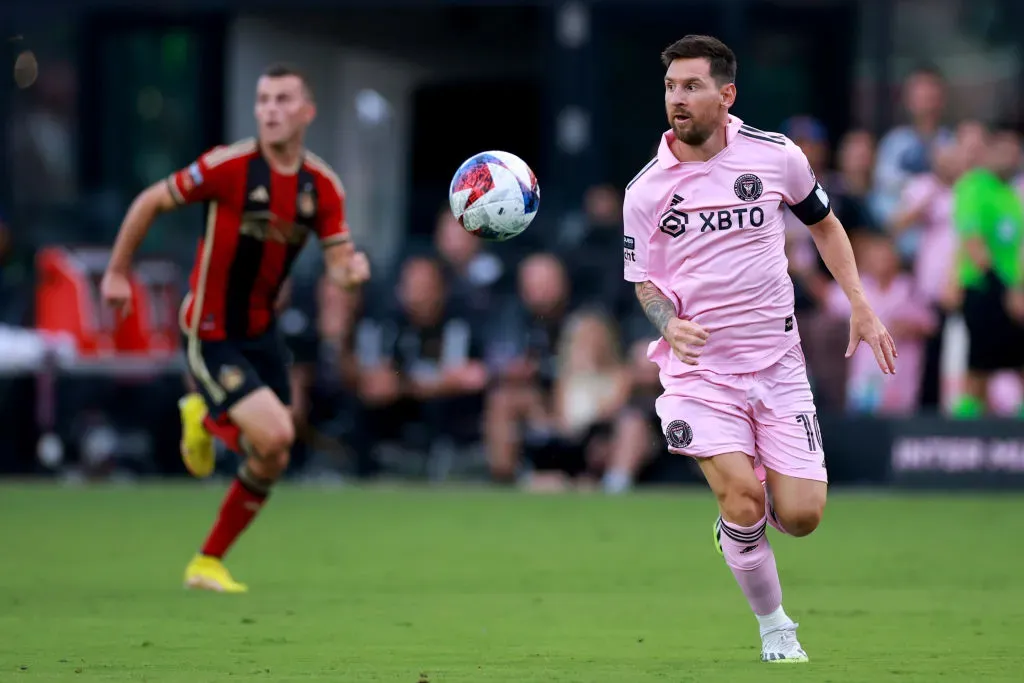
(704,245)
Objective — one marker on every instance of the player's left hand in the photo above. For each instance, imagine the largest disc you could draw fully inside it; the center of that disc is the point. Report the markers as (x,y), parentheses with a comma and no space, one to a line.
(357,270)
(865,326)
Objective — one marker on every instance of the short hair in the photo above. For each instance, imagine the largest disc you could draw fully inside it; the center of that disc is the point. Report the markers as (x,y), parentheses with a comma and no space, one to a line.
(283,69)
(1005,126)
(927,69)
(423,258)
(721,59)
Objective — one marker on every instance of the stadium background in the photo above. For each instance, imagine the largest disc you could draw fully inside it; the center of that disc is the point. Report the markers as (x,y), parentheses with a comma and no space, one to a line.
(403,582)
(107,97)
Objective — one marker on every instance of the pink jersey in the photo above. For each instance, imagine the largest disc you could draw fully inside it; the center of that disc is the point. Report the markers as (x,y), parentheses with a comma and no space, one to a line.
(711,236)
(868,390)
(937,251)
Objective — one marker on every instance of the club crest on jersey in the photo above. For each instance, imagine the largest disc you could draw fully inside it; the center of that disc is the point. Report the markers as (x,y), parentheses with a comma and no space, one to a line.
(678,434)
(748,187)
(307,203)
(231,377)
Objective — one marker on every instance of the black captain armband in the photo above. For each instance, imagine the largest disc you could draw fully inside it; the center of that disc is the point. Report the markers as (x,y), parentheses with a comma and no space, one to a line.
(814,208)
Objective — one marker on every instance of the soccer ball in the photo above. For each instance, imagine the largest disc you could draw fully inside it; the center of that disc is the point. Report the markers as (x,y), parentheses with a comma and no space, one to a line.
(494,195)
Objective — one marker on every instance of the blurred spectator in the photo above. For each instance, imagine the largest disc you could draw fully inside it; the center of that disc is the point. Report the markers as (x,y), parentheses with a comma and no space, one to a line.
(811,136)
(572,442)
(822,335)
(42,137)
(848,185)
(907,316)
(972,141)
(340,314)
(473,274)
(636,441)
(319,322)
(591,250)
(15,284)
(297,316)
(989,218)
(906,150)
(421,368)
(926,205)
(849,188)
(523,354)
(348,340)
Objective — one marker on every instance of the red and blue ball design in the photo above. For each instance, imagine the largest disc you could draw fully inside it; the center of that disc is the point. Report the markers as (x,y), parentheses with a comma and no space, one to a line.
(494,195)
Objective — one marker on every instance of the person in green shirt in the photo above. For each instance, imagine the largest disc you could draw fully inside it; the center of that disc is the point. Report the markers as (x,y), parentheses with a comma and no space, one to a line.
(988,215)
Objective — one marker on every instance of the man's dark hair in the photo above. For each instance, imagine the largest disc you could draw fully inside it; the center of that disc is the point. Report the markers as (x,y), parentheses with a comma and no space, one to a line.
(1005,126)
(282,69)
(720,57)
(927,69)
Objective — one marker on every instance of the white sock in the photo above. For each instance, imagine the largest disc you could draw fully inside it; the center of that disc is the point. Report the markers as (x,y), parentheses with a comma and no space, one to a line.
(617,481)
(774,621)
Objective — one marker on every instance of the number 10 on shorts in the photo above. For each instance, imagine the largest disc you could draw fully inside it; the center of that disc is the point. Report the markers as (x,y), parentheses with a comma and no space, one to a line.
(810,423)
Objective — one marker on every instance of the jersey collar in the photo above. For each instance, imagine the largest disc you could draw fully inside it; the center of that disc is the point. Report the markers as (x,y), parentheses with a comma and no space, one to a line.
(666,159)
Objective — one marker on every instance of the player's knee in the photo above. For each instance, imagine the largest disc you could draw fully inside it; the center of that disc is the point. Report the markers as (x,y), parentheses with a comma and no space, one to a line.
(269,468)
(743,503)
(274,437)
(278,462)
(802,517)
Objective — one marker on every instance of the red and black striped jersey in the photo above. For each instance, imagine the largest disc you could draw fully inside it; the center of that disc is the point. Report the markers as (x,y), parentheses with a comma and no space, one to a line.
(257,221)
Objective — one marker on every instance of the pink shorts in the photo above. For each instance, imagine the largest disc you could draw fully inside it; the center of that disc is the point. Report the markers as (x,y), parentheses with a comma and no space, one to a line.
(768,414)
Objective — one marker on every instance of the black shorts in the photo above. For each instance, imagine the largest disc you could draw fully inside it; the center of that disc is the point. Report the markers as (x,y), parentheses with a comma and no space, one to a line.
(227,371)
(996,340)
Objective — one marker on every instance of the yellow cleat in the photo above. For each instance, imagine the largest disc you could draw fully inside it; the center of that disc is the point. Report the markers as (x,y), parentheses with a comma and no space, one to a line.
(197,450)
(209,574)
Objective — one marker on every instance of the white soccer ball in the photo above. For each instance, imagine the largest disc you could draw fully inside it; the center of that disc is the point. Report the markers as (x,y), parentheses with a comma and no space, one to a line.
(494,195)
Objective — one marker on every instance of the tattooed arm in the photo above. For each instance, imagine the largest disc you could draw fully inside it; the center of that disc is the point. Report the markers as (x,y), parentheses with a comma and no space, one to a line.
(657,307)
(686,337)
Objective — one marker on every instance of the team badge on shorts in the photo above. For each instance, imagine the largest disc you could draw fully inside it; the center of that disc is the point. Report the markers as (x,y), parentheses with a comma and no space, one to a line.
(678,434)
(231,377)
(748,187)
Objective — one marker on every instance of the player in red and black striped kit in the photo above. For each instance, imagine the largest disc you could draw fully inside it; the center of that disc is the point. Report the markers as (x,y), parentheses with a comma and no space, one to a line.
(263,197)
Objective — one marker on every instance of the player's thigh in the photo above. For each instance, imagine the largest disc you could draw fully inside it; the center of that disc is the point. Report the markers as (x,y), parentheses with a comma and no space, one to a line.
(705,417)
(798,504)
(789,444)
(264,415)
(221,373)
(271,358)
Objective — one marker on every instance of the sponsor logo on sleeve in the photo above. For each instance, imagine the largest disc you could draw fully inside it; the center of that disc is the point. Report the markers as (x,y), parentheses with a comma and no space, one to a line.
(195,173)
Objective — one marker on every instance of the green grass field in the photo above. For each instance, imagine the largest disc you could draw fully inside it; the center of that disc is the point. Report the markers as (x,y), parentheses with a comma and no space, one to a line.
(454,586)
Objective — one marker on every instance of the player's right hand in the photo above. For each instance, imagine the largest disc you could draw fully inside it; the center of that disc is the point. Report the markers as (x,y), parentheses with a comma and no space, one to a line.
(1015,304)
(358,270)
(116,290)
(687,339)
